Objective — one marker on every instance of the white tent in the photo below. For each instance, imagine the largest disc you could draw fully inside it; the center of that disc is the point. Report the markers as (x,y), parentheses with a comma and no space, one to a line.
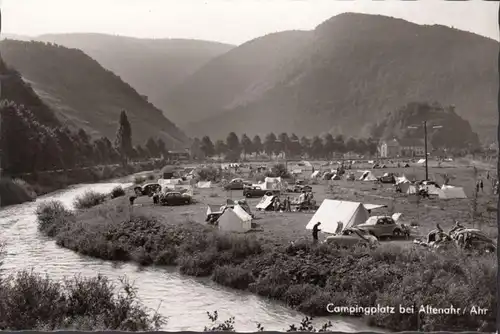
(454,192)
(204,184)
(272,179)
(374,206)
(297,171)
(235,220)
(331,212)
(265,202)
(401,179)
(408,188)
(315,174)
(368,176)
(421,161)
(169,182)
(432,189)
(373,219)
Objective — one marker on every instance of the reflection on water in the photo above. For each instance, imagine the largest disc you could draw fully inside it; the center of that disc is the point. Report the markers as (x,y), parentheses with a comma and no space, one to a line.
(183,299)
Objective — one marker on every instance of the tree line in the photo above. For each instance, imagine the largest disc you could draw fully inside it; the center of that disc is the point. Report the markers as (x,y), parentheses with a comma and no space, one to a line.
(28,146)
(315,147)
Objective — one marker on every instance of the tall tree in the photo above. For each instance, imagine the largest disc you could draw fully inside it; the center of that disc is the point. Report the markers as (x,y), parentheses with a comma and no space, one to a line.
(257,144)
(270,144)
(294,148)
(123,141)
(284,143)
(351,145)
(220,148)
(152,148)
(305,144)
(207,147)
(329,145)
(233,143)
(162,148)
(246,144)
(339,143)
(317,149)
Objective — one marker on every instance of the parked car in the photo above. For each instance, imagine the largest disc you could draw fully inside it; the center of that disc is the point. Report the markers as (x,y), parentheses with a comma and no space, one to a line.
(147,190)
(175,198)
(353,236)
(250,192)
(298,188)
(385,226)
(236,184)
(387,178)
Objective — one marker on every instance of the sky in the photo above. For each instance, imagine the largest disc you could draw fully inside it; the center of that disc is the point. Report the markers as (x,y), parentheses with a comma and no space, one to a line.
(228,21)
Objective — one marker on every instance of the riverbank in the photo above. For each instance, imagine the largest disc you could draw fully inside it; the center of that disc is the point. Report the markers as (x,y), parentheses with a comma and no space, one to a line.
(303,276)
(17,191)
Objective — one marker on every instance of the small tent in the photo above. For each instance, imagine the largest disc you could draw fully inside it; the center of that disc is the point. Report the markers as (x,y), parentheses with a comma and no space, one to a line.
(367,176)
(407,188)
(454,192)
(204,184)
(315,174)
(265,202)
(421,161)
(169,182)
(331,212)
(401,179)
(235,220)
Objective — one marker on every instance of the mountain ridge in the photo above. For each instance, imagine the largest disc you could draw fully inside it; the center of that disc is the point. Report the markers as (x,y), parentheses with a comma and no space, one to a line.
(358,67)
(84,94)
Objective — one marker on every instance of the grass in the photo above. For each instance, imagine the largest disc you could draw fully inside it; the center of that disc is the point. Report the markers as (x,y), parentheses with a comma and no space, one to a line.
(301,275)
(29,301)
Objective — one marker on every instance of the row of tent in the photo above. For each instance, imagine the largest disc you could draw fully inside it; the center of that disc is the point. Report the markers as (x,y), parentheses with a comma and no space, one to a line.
(330,213)
(445,192)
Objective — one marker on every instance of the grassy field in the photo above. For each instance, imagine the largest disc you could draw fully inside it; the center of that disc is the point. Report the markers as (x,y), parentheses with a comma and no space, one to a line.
(304,276)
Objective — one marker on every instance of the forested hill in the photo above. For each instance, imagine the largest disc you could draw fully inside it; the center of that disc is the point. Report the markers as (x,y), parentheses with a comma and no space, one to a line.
(357,68)
(82,92)
(152,66)
(445,128)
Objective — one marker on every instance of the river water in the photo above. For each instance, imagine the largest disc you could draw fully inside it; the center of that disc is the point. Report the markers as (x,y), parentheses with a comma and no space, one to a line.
(184,300)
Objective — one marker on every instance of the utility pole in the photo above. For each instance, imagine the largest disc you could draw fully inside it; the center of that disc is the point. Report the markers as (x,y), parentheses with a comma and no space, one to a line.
(426,157)
(424,124)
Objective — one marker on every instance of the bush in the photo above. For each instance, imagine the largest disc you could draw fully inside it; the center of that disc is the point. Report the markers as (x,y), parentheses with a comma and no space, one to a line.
(89,199)
(75,304)
(117,191)
(303,275)
(15,191)
(52,217)
(209,173)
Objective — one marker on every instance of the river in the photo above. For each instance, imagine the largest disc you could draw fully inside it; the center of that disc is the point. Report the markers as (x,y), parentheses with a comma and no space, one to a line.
(184,300)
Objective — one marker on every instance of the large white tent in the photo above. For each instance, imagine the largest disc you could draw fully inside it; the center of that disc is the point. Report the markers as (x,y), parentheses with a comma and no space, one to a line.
(331,212)
(367,176)
(235,220)
(204,184)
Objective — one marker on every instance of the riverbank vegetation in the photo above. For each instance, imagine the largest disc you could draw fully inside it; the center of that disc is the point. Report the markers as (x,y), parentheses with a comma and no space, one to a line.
(302,275)
(29,301)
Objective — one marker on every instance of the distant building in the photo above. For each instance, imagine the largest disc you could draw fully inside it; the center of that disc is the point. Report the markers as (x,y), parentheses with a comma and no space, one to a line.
(406,147)
(389,149)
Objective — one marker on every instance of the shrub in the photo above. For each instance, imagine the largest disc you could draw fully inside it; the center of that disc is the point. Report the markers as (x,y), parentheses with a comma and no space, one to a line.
(117,191)
(89,199)
(77,304)
(139,179)
(52,216)
(209,173)
(15,191)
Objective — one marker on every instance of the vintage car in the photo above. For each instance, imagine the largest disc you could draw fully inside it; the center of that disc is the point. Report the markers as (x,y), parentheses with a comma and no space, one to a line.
(236,184)
(255,191)
(385,226)
(175,198)
(147,190)
(387,178)
(298,188)
(353,236)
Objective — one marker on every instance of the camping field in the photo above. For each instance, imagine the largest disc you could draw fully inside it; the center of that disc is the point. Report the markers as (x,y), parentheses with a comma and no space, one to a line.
(423,215)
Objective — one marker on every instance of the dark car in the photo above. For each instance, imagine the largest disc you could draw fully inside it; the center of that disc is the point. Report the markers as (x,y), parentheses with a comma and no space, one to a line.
(384,226)
(236,184)
(175,198)
(250,192)
(147,189)
(298,188)
(388,178)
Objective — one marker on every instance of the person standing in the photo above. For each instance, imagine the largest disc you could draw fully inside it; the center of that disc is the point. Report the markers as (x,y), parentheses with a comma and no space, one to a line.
(477,187)
(481,185)
(288,205)
(315,232)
